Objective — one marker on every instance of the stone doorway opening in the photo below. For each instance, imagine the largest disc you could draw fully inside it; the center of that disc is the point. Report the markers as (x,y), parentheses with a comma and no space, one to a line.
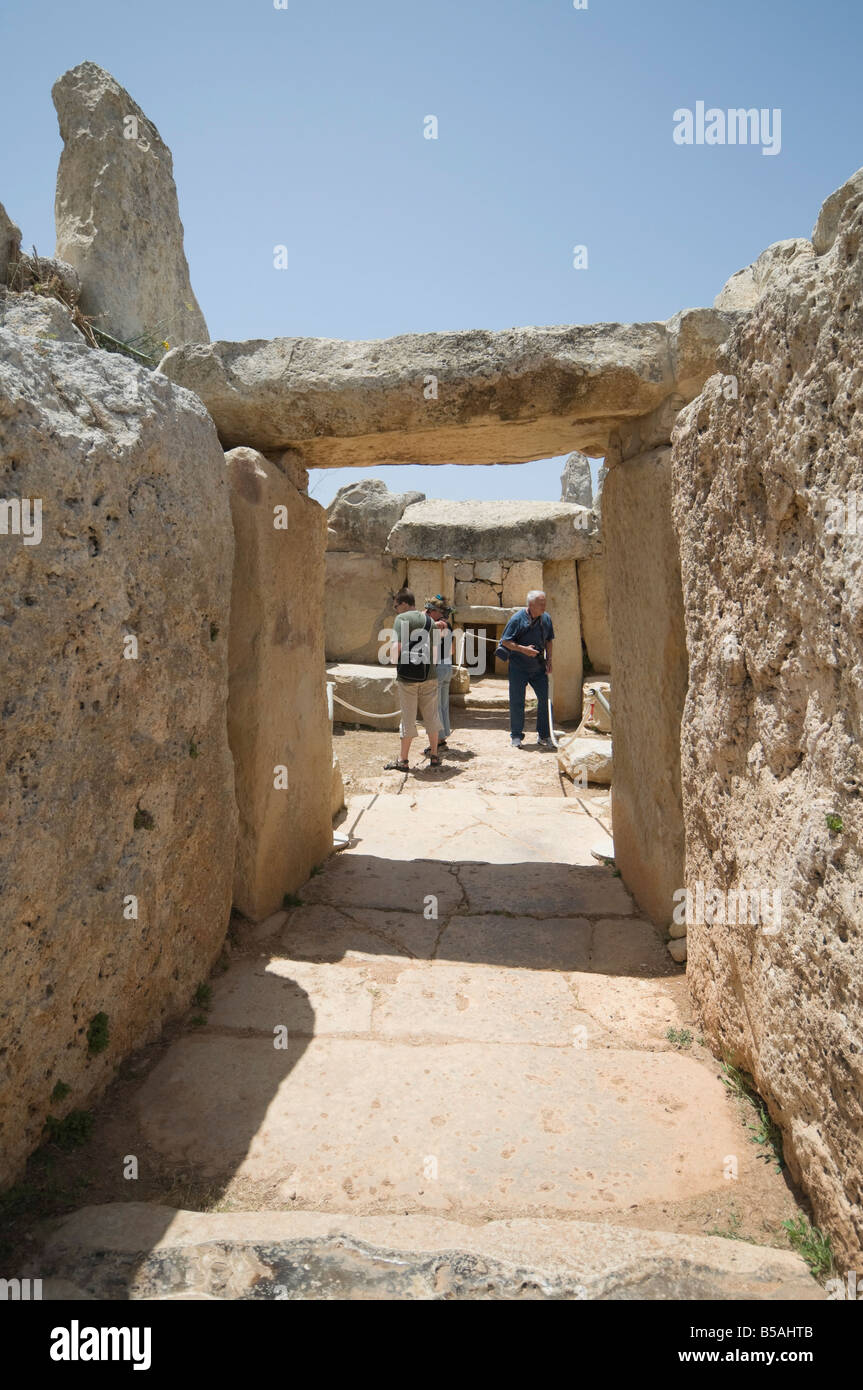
(477,398)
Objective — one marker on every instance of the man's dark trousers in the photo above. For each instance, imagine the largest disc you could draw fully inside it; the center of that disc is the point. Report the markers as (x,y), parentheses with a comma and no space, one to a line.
(519,680)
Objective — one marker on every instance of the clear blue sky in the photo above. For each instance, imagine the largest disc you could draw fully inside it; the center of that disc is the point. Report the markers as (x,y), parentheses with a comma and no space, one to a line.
(304,127)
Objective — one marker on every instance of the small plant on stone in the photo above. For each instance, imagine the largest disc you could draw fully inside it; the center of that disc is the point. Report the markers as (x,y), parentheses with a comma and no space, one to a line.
(291,900)
(143,820)
(767,1133)
(834,824)
(202,996)
(197,1021)
(193,749)
(71,1132)
(812,1245)
(147,348)
(679,1038)
(318,869)
(736,1081)
(97,1034)
(214,631)
(60,1091)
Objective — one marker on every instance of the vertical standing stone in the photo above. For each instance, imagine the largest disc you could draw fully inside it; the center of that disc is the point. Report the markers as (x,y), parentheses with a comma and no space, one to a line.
(593,606)
(117,807)
(645,602)
(277,707)
(561,591)
(118,221)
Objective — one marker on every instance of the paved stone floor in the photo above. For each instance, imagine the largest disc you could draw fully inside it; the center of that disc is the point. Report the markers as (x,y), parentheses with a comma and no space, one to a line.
(475,1015)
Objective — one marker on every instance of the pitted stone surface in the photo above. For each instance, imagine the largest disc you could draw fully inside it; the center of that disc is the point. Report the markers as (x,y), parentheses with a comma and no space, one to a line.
(568,1129)
(118,775)
(771,484)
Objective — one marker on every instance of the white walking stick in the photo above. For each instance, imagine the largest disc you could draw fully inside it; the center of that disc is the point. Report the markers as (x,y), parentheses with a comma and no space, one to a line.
(551,711)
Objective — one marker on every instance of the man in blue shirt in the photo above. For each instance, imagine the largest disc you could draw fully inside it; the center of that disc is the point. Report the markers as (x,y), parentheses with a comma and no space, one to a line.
(528,637)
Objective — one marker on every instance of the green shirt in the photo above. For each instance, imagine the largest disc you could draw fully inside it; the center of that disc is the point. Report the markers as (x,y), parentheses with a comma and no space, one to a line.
(406,623)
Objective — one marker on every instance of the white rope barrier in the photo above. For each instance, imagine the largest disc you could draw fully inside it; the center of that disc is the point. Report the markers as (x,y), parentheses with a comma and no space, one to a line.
(395,714)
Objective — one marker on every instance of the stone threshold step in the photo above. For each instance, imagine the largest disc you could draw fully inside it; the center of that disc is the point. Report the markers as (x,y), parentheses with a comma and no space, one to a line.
(142,1251)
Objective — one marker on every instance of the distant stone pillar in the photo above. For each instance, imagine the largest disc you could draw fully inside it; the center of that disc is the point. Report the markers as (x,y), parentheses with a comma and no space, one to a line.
(649,668)
(561,591)
(278,726)
(117,217)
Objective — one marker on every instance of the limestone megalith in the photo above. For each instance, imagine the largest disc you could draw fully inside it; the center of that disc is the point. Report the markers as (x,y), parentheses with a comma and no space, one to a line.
(118,810)
(278,727)
(362,514)
(117,217)
(768,509)
(467,397)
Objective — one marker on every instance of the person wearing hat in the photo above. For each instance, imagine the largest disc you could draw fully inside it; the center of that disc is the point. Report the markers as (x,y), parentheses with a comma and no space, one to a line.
(438,609)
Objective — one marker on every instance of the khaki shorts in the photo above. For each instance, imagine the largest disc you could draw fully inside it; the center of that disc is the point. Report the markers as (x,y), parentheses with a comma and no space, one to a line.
(425,695)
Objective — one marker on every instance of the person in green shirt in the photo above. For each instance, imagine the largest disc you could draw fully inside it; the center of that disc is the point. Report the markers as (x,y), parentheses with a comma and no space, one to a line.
(416,678)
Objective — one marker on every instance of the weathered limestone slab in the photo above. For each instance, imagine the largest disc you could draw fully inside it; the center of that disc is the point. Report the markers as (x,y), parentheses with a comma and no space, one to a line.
(586,760)
(489,530)
(118,802)
(479,1003)
(362,514)
(560,583)
(774,267)
(476,594)
(371,690)
(645,604)
(771,485)
(132,1250)
(426,578)
(37,317)
(10,244)
(386,906)
(358,604)
(118,222)
(541,1134)
(483,613)
(277,713)
(593,609)
(506,397)
(521,577)
(259,992)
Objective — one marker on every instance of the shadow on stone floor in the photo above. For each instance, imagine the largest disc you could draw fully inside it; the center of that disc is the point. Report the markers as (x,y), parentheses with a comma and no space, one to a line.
(537,916)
